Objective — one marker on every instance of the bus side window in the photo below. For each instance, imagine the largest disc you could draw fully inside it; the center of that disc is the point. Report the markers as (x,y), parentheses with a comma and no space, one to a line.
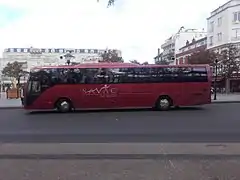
(200,74)
(89,76)
(186,74)
(119,75)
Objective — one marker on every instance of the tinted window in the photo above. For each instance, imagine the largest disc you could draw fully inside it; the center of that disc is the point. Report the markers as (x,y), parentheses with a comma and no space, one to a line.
(196,74)
(49,77)
(34,87)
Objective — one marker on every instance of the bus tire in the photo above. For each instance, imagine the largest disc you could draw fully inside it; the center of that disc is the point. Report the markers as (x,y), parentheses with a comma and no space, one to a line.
(164,103)
(64,105)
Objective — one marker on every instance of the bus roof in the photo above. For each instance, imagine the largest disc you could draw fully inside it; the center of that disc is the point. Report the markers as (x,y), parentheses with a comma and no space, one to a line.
(115,65)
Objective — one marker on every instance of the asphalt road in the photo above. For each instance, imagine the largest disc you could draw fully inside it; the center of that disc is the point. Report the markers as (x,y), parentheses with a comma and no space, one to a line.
(211,123)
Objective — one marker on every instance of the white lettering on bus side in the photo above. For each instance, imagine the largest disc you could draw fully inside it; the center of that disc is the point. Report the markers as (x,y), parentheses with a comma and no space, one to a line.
(106,92)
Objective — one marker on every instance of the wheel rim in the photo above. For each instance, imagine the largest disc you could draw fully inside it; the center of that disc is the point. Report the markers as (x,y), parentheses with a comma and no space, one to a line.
(164,104)
(64,106)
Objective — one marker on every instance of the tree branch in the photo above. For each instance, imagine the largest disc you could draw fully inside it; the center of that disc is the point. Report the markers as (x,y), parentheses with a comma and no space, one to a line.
(110,2)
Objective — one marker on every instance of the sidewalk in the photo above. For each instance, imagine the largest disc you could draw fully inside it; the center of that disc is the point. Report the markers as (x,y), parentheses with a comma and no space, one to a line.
(9,103)
(227,98)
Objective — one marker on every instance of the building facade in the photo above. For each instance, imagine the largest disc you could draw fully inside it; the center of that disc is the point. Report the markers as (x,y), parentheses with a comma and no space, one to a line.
(175,42)
(31,57)
(168,50)
(223,25)
(191,47)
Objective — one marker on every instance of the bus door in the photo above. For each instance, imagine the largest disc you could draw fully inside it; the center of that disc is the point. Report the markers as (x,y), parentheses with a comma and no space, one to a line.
(32,92)
(38,82)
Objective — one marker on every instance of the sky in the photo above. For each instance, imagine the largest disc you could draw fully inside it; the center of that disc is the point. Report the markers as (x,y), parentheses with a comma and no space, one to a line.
(136,27)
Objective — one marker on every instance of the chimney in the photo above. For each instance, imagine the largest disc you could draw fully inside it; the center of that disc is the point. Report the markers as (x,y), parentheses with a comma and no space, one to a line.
(193,40)
(158,51)
(187,43)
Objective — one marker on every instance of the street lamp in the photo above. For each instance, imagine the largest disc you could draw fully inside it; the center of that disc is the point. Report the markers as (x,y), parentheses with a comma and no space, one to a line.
(215,80)
(68,56)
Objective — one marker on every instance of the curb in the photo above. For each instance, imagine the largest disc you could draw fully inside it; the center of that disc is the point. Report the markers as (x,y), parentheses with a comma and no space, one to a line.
(224,102)
(118,156)
(118,149)
(11,107)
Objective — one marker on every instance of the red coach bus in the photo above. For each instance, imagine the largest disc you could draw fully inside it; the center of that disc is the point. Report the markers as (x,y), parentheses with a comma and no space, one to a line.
(117,85)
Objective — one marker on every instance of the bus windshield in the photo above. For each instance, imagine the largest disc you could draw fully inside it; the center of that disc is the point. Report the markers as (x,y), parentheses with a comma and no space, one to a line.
(34,87)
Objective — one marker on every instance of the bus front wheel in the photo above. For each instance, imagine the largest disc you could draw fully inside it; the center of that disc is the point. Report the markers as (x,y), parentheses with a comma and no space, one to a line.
(64,105)
(163,103)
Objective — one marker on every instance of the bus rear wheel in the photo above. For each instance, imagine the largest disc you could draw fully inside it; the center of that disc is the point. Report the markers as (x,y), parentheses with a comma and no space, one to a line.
(64,105)
(164,103)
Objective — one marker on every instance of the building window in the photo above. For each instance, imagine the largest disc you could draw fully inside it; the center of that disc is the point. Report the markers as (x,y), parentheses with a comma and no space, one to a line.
(236,17)
(219,21)
(210,40)
(211,29)
(25,50)
(219,36)
(235,33)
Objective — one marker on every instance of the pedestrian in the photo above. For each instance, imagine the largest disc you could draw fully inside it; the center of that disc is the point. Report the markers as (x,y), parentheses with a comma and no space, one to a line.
(22,95)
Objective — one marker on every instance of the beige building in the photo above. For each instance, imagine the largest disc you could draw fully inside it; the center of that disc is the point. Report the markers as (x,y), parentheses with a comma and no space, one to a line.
(31,57)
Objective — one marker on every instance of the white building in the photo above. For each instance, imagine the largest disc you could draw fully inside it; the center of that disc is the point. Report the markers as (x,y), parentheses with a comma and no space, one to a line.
(168,49)
(175,42)
(46,56)
(31,57)
(223,25)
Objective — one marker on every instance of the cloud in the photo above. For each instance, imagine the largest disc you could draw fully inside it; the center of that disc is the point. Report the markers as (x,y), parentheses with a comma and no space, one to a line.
(136,27)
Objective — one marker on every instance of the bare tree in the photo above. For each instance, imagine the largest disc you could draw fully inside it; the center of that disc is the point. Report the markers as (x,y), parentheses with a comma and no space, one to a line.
(111,56)
(202,57)
(229,60)
(110,2)
(135,62)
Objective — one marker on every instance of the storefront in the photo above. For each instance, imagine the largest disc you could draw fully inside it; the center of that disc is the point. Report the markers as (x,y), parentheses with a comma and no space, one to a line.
(221,84)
